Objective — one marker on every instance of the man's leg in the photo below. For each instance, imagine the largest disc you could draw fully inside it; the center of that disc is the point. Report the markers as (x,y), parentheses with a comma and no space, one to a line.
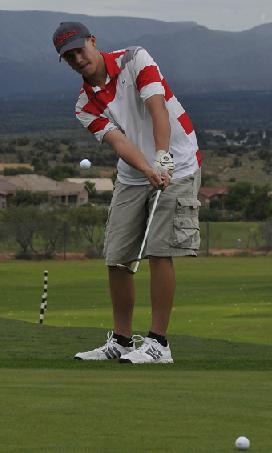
(163,284)
(155,347)
(123,299)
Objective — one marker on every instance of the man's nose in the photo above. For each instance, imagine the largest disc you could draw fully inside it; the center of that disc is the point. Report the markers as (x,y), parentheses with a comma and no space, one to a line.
(78,58)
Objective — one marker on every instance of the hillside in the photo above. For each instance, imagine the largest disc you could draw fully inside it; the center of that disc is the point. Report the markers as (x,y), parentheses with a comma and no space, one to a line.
(193,58)
(222,164)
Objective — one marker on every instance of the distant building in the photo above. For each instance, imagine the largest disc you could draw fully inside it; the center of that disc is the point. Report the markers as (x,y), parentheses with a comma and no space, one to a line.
(61,192)
(217,132)
(7,190)
(101,184)
(215,195)
(8,165)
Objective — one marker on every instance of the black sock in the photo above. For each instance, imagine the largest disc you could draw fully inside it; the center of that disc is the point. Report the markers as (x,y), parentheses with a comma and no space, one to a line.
(160,338)
(123,341)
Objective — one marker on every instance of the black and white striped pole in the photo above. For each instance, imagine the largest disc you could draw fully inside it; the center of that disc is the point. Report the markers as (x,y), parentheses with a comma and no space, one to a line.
(45,288)
(43,306)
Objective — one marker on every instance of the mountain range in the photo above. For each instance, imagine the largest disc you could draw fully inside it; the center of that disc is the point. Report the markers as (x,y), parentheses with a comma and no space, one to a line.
(193,58)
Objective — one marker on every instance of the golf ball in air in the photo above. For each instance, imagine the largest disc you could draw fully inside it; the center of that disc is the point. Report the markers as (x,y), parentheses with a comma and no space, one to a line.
(85,163)
(242,443)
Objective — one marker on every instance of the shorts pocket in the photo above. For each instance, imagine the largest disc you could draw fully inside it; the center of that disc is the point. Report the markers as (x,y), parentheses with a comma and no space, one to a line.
(186,224)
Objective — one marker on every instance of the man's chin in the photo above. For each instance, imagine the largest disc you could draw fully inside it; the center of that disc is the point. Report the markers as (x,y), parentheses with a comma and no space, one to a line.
(86,73)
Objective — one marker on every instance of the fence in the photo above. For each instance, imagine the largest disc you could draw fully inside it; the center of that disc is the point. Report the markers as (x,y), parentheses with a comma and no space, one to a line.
(216,238)
(232,237)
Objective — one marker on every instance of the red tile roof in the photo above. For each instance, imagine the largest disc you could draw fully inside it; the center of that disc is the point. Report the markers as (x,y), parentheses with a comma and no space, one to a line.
(210,192)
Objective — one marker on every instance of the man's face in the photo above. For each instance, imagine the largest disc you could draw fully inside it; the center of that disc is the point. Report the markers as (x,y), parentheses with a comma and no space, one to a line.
(85,59)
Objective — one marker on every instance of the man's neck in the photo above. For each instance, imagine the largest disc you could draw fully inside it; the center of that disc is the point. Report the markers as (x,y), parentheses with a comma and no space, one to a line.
(100,76)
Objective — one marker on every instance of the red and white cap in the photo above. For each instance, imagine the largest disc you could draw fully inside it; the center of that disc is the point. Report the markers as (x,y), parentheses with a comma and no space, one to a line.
(70,35)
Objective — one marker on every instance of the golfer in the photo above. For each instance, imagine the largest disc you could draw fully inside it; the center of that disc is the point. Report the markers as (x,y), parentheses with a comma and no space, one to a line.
(126,102)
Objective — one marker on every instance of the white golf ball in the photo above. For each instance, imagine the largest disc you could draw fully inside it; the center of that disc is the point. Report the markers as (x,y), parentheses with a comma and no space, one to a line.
(85,163)
(242,443)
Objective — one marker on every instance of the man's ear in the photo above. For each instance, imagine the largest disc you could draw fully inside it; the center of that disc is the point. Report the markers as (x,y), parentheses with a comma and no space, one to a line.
(92,39)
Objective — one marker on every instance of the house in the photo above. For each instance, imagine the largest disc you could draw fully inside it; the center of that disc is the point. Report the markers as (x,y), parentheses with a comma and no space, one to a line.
(101,184)
(213,196)
(7,189)
(61,192)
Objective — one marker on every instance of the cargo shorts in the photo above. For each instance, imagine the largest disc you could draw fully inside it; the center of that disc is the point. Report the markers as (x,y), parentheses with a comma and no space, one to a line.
(174,230)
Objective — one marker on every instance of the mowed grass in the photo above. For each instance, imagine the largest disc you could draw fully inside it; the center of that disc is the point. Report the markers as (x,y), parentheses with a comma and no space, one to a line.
(135,411)
(224,298)
(220,386)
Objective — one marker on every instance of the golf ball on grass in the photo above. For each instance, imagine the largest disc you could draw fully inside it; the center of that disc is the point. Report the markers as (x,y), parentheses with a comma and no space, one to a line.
(85,163)
(242,443)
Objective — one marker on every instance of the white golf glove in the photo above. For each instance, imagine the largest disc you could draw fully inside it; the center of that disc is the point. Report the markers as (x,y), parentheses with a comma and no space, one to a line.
(164,162)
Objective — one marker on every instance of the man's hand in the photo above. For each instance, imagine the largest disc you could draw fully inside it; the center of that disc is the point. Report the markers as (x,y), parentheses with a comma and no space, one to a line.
(159,181)
(164,162)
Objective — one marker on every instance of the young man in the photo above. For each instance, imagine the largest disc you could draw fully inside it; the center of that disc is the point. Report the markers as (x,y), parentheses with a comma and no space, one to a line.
(126,102)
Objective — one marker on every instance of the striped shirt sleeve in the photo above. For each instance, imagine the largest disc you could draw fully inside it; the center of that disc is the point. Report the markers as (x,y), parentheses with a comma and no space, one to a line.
(88,115)
(148,78)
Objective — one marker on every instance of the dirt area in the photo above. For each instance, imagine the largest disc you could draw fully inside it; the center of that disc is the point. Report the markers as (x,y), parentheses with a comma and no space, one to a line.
(6,256)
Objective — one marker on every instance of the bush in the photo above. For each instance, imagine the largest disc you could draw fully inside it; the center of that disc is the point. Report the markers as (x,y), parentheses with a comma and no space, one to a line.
(209,215)
(266,233)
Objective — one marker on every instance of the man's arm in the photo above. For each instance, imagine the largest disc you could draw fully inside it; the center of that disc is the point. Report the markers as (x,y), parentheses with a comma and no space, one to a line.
(160,118)
(132,155)
(161,132)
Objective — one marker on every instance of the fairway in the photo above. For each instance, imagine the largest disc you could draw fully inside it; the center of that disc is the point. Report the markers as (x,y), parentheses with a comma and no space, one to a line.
(219,388)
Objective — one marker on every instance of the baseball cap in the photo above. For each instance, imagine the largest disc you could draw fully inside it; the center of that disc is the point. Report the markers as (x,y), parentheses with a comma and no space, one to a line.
(70,35)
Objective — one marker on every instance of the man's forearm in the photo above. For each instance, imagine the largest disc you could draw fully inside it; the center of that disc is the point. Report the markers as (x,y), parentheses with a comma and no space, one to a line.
(160,120)
(132,155)
(126,149)
(161,130)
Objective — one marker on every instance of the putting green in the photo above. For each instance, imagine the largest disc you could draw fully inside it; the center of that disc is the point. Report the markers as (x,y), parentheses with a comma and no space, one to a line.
(134,410)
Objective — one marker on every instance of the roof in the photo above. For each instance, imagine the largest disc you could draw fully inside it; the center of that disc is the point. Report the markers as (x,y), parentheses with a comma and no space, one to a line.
(210,192)
(6,186)
(16,165)
(101,184)
(38,183)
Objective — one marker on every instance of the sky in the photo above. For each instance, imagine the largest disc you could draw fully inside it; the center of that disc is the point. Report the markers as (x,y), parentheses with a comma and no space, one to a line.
(232,15)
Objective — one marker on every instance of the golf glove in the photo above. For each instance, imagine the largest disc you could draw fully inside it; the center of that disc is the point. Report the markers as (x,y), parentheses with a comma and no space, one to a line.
(164,162)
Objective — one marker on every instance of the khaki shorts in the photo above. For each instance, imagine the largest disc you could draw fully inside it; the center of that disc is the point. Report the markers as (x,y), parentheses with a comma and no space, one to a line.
(174,230)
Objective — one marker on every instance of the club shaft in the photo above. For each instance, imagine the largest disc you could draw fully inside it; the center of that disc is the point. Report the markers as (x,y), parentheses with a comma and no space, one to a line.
(147,230)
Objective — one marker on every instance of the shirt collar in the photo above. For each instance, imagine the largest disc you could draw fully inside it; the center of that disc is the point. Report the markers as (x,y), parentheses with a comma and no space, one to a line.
(111,66)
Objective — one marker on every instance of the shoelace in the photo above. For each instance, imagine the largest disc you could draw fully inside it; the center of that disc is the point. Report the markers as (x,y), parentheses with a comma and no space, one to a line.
(110,340)
(135,338)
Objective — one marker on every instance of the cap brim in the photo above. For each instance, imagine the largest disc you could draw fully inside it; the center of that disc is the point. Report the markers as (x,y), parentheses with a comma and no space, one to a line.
(75,44)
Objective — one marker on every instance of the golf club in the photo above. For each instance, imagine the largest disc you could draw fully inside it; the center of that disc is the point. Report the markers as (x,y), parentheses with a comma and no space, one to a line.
(139,257)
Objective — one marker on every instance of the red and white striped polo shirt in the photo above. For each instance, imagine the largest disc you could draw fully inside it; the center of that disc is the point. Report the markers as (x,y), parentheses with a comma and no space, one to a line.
(121,105)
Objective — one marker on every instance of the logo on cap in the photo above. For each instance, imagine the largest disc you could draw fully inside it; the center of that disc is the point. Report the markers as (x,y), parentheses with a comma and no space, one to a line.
(61,38)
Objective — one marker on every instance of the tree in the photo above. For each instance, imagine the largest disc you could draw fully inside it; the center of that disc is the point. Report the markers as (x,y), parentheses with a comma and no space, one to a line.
(266,233)
(27,198)
(259,205)
(89,220)
(90,187)
(60,172)
(253,202)
(54,229)
(238,196)
(22,223)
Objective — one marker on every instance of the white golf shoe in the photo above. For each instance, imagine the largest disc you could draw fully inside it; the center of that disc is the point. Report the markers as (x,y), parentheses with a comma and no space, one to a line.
(151,351)
(110,350)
